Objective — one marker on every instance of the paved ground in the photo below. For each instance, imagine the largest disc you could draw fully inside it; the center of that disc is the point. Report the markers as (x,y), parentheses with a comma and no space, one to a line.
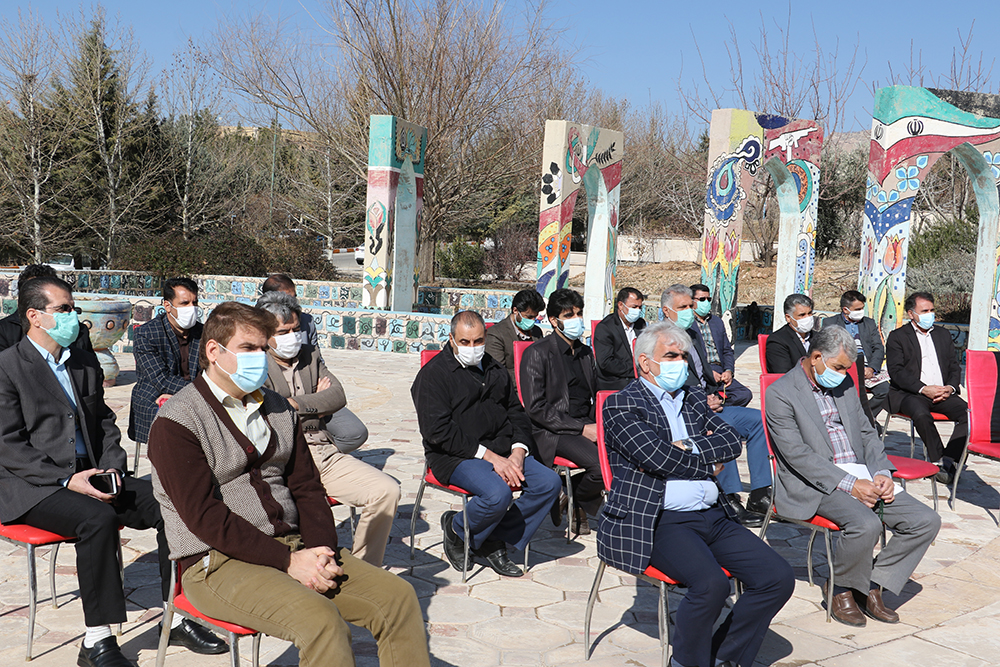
(950,611)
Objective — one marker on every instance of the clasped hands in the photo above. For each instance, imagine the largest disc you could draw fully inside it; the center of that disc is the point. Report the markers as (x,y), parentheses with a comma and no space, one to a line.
(881,488)
(510,468)
(315,568)
(936,393)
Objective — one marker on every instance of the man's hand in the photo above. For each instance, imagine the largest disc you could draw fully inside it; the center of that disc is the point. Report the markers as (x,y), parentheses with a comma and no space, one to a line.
(935,392)
(866,492)
(293,403)
(590,432)
(80,482)
(315,568)
(869,373)
(323,384)
(718,469)
(886,489)
(715,403)
(508,470)
(517,457)
(718,376)
(727,378)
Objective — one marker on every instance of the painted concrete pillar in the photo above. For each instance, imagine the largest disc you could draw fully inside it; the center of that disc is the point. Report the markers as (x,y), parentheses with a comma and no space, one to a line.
(396,150)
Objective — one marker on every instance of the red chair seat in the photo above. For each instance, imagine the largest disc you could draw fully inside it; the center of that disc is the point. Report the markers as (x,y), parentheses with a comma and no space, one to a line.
(816,521)
(907,468)
(566,463)
(431,479)
(332,501)
(182,603)
(31,535)
(653,573)
(990,450)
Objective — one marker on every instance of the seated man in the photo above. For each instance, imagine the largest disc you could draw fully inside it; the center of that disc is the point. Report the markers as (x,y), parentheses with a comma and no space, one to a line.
(665,509)
(246,514)
(718,350)
(56,433)
(924,377)
(10,326)
(678,308)
(477,437)
(871,351)
(520,325)
(831,463)
(557,385)
(346,430)
(791,342)
(297,372)
(613,338)
(166,354)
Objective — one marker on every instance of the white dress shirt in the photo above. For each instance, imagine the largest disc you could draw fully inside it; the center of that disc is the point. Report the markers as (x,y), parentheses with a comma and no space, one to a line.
(930,368)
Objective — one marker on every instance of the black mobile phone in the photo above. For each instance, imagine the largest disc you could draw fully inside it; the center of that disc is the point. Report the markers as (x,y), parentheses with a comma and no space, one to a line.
(105,482)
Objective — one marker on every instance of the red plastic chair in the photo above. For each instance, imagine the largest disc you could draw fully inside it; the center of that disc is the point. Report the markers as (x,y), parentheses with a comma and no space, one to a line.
(817,524)
(427,355)
(762,352)
(981,378)
(565,467)
(651,574)
(937,416)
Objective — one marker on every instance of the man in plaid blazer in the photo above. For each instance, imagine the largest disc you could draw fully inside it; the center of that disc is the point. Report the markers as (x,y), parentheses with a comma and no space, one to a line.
(667,510)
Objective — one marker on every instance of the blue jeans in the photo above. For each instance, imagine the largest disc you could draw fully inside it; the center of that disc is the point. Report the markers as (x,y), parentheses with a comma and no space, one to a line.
(750,425)
(490,512)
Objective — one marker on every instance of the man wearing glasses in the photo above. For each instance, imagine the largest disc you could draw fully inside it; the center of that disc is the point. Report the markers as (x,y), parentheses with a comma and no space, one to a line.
(10,326)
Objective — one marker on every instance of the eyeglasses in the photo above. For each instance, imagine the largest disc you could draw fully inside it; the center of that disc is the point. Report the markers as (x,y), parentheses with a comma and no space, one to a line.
(704,298)
(65,308)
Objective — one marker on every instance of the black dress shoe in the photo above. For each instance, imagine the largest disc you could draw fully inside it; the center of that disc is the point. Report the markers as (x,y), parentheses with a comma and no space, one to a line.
(197,638)
(104,653)
(745,517)
(500,562)
(759,501)
(558,509)
(454,546)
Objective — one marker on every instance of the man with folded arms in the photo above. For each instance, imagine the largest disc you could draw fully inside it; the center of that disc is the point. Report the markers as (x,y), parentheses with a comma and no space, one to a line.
(247,518)
(831,463)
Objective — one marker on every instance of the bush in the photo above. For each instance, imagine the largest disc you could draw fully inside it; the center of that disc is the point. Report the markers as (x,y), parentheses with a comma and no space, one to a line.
(515,246)
(951,272)
(951,307)
(298,255)
(460,261)
(936,240)
(215,252)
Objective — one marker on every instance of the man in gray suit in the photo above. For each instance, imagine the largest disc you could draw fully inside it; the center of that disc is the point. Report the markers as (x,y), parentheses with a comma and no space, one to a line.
(831,463)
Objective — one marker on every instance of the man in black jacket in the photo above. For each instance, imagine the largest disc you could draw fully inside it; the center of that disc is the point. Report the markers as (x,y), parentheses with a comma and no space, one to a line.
(868,341)
(477,437)
(10,326)
(614,338)
(791,342)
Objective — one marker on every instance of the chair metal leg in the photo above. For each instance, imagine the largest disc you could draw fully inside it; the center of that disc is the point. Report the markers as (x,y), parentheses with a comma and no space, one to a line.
(167,620)
(809,556)
(54,554)
(590,610)
(570,506)
(351,523)
(527,548)
(829,564)
(416,511)
(885,427)
(664,624)
(767,521)
(934,492)
(135,464)
(234,650)
(465,540)
(256,650)
(958,473)
(32,597)
(913,439)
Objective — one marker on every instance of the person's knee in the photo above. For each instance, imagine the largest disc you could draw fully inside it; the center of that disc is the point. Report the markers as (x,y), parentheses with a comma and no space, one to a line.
(350,439)
(497,497)
(101,521)
(549,482)
(713,587)
(385,492)
(867,527)
(779,578)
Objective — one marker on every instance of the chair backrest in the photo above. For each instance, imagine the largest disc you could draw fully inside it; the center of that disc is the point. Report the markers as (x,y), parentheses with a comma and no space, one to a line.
(489,324)
(981,386)
(635,362)
(427,355)
(519,347)
(593,330)
(602,452)
(766,380)
(853,372)
(761,351)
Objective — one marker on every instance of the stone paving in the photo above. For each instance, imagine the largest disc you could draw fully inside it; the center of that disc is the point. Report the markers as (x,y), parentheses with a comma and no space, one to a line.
(950,610)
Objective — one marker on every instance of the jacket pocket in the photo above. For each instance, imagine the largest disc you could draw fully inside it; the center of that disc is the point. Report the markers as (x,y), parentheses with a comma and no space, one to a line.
(615,511)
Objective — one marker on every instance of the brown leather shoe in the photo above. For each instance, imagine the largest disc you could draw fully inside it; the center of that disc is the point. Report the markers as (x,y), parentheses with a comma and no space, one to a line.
(875,608)
(845,610)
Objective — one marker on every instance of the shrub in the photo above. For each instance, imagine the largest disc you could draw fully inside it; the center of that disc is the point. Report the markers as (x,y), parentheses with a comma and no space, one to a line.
(460,261)
(951,272)
(298,255)
(515,246)
(936,240)
(214,252)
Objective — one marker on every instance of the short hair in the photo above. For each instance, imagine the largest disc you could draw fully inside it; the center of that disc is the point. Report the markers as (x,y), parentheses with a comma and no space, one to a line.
(281,305)
(224,320)
(793,300)
(667,330)
(276,282)
(469,318)
(528,299)
(829,341)
(173,283)
(700,287)
(850,296)
(32,296)
(676,288)
(561,300)
(625,292)
(911,301)
(34,271)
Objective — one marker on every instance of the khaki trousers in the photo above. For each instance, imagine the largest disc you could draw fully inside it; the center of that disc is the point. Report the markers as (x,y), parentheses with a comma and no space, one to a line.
(358,484)
(269,600)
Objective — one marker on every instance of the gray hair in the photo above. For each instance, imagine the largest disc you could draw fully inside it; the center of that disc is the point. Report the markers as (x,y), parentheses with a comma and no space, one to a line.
(668,331)
(676,288)
(829,341)
(469,318)
(281,305)
(793,300)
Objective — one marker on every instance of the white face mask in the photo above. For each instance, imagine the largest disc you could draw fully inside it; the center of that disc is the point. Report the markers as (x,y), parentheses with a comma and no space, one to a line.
(805,325)
(856,315)
(186,316)
(287,345)
(471,355)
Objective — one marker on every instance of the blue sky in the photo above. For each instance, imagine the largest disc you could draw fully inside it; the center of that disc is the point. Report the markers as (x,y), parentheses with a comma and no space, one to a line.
(638,48)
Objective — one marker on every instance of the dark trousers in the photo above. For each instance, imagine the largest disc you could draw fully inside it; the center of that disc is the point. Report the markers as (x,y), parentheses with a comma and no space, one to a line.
(736,394)
(918,408)
(490,512)
(582,452)
(693,547)
(95,525)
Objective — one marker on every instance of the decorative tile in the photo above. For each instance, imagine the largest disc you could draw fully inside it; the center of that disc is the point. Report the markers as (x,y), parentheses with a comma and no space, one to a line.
(350,325)
(365,326)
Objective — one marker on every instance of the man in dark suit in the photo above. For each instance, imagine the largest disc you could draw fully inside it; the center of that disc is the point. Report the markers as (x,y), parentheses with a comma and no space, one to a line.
(56,433)
(868,341)
(721,358)
(166,354)
(613,338)
(667,510)
(518,326)
(924,377)
(831,463)
(10,326)
(477,437)
(791,342)
(558,388)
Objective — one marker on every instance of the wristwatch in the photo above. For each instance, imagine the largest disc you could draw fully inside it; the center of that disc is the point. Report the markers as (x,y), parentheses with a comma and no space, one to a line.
(685,444)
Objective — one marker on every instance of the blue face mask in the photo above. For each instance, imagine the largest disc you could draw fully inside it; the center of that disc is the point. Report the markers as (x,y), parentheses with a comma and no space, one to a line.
(633,314)
(251,370)
(672,375)
(926,320)
(703,308)
(66,328)
(573,328)
(525,324)
(685,318)
(829,378)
